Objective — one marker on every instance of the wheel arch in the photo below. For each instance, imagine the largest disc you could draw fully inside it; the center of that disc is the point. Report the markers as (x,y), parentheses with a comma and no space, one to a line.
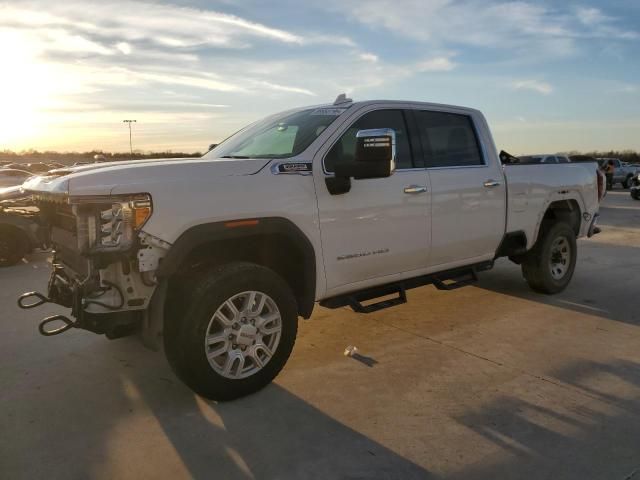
(274,242)
(567,210)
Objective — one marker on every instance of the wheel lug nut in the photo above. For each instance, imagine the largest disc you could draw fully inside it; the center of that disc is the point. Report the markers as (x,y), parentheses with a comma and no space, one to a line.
(230,337)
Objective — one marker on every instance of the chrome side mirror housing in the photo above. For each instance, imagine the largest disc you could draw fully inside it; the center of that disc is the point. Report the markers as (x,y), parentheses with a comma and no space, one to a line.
(375,157)
(376,148)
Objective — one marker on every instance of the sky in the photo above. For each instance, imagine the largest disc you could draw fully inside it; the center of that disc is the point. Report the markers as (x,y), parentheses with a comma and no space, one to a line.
(549,76)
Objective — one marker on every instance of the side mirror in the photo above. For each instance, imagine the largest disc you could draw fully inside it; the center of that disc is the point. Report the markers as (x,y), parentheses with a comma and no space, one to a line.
(375,157)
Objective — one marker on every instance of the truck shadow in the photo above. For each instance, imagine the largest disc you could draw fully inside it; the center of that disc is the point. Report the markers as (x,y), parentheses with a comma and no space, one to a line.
(271,434)
(603,286)
(590,432)
(114,411)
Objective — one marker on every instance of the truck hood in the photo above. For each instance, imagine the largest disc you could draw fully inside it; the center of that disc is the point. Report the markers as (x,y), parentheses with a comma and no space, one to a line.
(135,176)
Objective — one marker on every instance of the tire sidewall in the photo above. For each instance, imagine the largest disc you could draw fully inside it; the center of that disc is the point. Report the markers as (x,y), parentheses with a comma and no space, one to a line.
(553,233)
(215,289)
(16,250)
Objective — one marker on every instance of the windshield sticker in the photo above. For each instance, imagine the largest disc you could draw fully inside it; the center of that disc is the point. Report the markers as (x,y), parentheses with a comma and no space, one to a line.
(333,112)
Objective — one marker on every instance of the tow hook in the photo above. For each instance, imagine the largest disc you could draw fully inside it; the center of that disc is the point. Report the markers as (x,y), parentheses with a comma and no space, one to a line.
(68,324)
(41,300)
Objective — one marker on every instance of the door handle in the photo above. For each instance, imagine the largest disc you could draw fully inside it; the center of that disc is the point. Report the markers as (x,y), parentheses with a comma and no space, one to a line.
(413,189)
(491,183)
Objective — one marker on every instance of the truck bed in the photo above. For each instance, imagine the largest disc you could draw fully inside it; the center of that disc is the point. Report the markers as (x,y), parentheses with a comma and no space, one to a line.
(532,187)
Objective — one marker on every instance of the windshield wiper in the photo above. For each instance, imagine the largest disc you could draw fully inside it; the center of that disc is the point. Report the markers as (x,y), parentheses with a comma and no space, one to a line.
(274,155)
(234,156)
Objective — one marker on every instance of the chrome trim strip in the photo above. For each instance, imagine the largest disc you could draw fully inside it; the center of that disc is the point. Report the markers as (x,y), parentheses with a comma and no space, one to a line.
(458,167)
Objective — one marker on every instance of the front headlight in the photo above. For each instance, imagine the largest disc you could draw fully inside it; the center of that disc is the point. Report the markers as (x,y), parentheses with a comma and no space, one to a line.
(119,223)
(110,223)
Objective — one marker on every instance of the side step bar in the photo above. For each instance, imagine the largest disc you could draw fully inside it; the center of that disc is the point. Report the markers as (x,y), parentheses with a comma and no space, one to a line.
(356,299)
(460,281)
(448,280)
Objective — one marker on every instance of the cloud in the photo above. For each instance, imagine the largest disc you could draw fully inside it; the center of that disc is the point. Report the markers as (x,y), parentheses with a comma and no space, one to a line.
(524,26)
(283,88)
(628,88)
(436,64)
(602,26)
(163,24)
(533,85)
(124,47)
(368,57)
(591,16)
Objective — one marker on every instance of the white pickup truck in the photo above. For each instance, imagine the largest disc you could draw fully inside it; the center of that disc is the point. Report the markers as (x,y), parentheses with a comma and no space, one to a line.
(345,204)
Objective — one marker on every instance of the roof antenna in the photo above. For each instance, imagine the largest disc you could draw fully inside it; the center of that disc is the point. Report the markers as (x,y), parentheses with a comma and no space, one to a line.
(342,98)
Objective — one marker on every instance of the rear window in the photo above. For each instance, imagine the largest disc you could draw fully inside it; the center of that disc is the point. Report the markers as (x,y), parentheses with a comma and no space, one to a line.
(448,139)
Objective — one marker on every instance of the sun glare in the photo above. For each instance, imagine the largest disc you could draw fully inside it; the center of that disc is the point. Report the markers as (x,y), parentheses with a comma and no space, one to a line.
(29,87)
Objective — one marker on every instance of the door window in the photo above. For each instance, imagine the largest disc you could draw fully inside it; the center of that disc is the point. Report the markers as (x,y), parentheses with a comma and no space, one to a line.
(448,139)
(344,149)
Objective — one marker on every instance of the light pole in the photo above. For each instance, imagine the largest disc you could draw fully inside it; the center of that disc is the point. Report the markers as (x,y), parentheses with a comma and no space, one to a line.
(130,144)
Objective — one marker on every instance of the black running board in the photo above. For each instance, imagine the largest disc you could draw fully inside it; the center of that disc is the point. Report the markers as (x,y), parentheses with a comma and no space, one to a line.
(356,299)
(453,283)
(448,280)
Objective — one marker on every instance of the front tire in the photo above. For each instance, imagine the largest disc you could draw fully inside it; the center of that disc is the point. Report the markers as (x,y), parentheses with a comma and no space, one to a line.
(12,248)
(627,182)
(549,265)
(237,331)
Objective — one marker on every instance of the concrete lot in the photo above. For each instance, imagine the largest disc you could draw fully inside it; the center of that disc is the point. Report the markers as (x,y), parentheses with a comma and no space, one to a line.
(490,381)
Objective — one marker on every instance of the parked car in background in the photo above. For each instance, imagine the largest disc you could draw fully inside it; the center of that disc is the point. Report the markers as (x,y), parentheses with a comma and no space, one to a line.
(544,158)
(53,165)
(635,187)
(10,177)
(622,174)
(34,168)
(21,227)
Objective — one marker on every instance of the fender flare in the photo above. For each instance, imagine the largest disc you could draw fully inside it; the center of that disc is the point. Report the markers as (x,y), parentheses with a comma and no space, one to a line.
(554,198)
(202,234)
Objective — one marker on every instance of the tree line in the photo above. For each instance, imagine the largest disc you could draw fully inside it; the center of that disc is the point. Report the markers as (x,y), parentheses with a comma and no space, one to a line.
(69,158)
(629,156)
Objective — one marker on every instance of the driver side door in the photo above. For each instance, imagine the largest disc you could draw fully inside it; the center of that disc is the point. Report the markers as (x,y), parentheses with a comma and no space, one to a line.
(380,229)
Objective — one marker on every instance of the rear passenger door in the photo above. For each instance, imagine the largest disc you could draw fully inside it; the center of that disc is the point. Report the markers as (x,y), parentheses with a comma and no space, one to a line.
(468,201)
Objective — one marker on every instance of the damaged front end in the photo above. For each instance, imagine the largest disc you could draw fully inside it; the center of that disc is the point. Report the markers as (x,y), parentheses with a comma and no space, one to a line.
(103,263)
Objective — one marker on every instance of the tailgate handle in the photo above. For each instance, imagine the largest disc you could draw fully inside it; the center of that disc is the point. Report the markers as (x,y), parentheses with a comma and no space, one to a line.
(491,183)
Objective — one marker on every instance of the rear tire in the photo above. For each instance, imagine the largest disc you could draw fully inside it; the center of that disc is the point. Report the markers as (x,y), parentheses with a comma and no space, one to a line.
(221,346)
(549,265)
(13,248)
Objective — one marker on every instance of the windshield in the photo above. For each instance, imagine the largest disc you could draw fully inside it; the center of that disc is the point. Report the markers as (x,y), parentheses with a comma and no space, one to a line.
(279,136)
